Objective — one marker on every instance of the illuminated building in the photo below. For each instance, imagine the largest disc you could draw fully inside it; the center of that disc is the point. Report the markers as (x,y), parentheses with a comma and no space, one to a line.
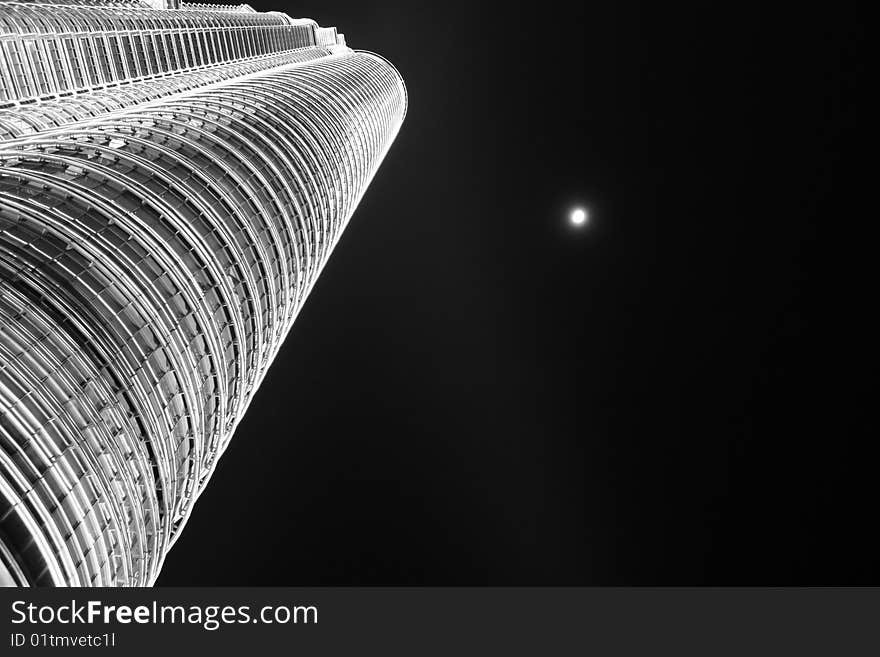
(172,181)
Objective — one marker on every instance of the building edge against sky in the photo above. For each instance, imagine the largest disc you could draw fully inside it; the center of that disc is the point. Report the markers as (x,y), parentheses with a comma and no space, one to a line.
(172,182)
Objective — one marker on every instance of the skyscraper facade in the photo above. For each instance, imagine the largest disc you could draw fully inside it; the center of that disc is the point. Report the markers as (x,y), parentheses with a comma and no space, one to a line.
(173,179)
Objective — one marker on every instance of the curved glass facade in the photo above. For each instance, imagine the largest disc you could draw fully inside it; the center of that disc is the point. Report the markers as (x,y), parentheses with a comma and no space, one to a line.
(157,239)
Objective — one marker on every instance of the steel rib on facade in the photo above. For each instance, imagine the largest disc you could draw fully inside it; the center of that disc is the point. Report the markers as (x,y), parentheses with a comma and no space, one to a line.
(156,244)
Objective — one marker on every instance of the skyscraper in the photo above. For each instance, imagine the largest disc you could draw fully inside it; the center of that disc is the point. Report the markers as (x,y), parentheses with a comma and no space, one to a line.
(173,179)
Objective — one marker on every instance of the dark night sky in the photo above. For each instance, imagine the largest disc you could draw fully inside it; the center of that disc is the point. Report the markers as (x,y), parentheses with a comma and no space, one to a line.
(477,394)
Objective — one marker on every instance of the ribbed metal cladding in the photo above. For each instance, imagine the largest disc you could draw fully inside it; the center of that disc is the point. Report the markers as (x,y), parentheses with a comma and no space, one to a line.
(154,253)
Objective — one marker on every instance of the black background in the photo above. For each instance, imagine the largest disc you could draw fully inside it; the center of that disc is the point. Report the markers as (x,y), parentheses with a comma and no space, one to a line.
(477,393)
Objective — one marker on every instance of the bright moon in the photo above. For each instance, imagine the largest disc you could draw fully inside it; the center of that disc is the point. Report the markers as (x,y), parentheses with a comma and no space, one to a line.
(579,217)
